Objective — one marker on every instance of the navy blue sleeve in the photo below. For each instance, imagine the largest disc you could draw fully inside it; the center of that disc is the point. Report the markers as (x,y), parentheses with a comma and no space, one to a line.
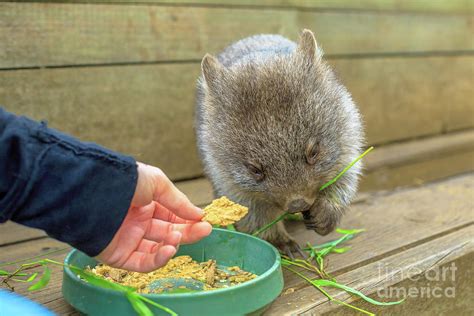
(77,192)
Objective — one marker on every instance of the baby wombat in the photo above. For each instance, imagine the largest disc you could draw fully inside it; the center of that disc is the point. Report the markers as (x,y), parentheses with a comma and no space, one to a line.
(273,125)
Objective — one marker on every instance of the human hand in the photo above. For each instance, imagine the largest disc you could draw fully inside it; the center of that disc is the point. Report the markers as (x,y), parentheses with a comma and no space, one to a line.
(159,219)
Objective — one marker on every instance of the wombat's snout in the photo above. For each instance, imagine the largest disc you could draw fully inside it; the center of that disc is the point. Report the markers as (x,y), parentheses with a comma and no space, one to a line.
(298,205)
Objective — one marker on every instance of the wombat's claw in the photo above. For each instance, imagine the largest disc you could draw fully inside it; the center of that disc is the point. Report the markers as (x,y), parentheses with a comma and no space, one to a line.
(288,252)
(302,253)
(290,249)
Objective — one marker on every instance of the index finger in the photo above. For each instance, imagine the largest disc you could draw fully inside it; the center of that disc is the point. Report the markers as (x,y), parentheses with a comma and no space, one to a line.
(173,199)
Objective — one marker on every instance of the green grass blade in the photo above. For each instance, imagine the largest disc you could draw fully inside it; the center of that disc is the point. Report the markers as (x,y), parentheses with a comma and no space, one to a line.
(4,272)
(31,258)
(320,261)
(264,228)
(98,281)
(345,169)
(32,277)
(355,292)
(43,281)
(19,280)
(349,231)
(354,307)
(310,281)
(164,308)
(303,264)
(138,305)
(326,244)
(333,244)
(340,250)
(129,291)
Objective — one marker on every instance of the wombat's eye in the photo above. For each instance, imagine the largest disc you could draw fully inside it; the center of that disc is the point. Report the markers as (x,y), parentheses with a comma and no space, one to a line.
(311,153)
(255,170)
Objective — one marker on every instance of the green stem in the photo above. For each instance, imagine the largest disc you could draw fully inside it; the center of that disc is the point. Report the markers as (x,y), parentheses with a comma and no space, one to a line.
(264,228)
(164,308)
(31,258)
(21,268)
(353,307)
(345,169)
(310,281)
(326,293)
(302,264)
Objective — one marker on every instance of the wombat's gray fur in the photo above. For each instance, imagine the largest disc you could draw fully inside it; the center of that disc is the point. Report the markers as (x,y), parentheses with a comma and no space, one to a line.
(273,125)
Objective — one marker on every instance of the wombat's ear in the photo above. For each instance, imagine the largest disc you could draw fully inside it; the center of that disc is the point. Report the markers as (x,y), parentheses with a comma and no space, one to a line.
(307,46)
(211,69)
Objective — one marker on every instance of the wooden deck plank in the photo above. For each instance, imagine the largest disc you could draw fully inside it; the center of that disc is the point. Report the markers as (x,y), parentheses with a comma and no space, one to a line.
(420,172)
(147,111)
(453,6)
(393,271)
(405,153)
(32,248)
(11,233)
(53,34)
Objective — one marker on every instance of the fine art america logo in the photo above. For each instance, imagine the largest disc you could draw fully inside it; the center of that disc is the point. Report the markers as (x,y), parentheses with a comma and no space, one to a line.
(434,282)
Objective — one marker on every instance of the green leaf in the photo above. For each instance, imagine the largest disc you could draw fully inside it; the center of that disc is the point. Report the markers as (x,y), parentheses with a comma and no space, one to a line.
(353,307)
(354,291)
(264,228)
(32,277)
(231,227)
(330,243)
(100,282)
(340,250)
(349,231)
(323,252)
(43,281)
(31,258)
(310,281)
(4,272)
(138,305)
(163,308)
(320,261)
(334,243)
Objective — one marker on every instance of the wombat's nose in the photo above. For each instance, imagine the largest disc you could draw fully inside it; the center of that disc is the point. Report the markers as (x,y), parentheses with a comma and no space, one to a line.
(299,205)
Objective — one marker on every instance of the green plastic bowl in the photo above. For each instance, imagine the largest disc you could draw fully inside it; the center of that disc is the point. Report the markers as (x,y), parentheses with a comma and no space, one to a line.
(229,248)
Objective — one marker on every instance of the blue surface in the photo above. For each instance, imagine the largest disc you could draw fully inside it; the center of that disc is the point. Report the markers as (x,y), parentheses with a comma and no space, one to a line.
(14,304)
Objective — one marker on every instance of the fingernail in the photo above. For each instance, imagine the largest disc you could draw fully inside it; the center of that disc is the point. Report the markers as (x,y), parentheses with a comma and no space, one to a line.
(179,236)
(200,211)
(175,250)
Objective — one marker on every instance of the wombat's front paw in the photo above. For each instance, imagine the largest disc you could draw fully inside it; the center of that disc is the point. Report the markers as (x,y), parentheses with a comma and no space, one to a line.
(290,247)
(322,218)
